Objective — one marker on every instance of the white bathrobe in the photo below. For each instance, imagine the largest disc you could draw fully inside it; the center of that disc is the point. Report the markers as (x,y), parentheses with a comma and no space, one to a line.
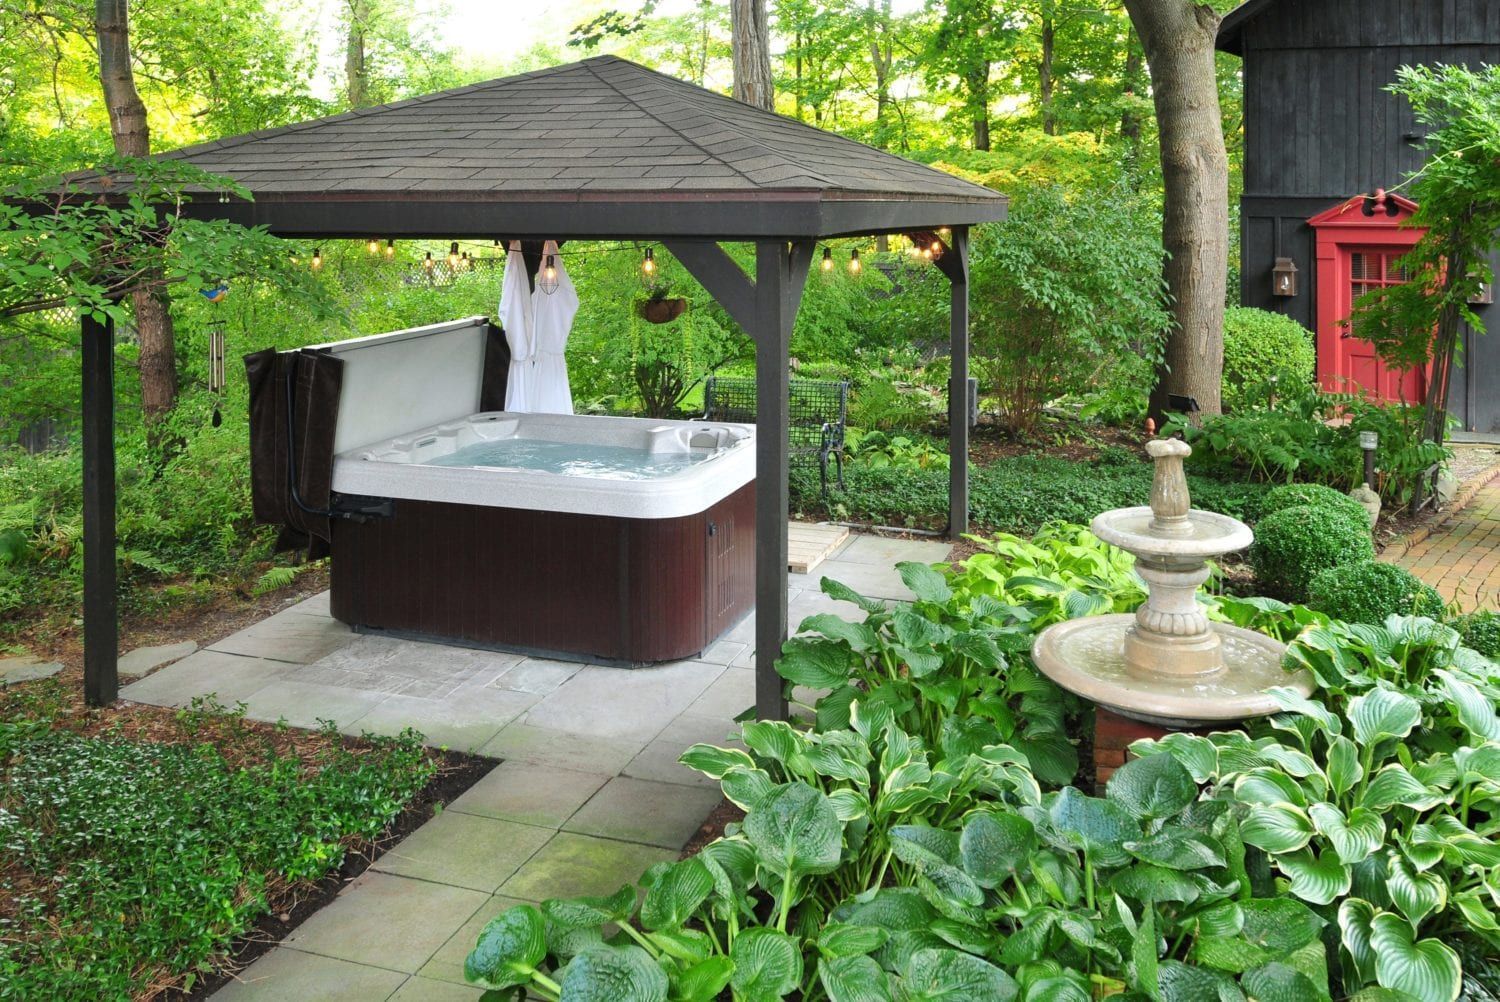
(516,318)
(552,320)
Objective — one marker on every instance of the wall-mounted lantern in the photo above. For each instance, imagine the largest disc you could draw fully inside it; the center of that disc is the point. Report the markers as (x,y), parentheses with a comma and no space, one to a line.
(1485,296)
(1284,277)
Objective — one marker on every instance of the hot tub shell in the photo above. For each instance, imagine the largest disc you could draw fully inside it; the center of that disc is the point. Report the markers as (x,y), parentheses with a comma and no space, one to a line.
(615,571)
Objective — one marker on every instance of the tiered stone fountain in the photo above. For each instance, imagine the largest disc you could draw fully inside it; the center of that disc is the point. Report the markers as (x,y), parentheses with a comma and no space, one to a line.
(1167,664)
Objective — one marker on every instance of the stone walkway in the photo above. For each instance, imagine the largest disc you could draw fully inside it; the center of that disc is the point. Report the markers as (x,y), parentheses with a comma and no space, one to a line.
(589,794)
(1461,558)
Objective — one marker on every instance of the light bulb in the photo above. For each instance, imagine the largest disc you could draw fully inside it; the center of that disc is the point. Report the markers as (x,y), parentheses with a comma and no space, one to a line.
(317,258)
(854,261)
(453,255)
(827,259)
(373,246)
(547,282)
(427,263)
(390,248)
(648,266)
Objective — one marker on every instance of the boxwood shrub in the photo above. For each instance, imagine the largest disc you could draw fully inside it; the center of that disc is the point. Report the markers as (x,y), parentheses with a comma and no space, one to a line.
(1481,632)
(1018,494)
(1369,591)
(1294,545)
(1259,346)
(1317,495)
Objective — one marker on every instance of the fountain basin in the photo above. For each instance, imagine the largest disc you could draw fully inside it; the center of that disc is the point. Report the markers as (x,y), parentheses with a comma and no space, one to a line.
(1203,535)
(1087,656)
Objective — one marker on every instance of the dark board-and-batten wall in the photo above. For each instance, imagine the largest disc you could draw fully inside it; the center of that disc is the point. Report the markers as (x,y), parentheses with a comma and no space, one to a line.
(1320,126)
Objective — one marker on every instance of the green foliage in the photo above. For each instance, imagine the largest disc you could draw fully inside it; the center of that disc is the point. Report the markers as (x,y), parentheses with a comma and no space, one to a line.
(1371,592)
(1014,494)
(1301,433)
(140,861)
(1457,191)
(877,450)
(1376,800)
(1481,632)
(1293,495)
(1292,546)
(1067,295)
(1261,347)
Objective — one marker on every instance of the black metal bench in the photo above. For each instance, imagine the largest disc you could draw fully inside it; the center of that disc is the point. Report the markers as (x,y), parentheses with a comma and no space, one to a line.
(819,409)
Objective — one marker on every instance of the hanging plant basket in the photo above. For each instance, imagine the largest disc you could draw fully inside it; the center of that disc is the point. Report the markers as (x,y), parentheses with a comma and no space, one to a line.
(660,311)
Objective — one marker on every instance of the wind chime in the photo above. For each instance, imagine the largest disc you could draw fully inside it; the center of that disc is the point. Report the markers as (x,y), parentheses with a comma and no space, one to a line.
(216,380)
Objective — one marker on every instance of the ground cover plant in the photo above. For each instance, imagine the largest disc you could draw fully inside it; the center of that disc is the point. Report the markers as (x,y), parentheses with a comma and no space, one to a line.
(919,837)
(136,845)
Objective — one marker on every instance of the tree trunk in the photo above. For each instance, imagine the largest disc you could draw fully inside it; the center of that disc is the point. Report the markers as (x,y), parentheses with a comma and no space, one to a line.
(1049,46)
(750,34)
(978,86)
(1130,122)
(1178,39)
(356,74)
(132,138)
(878,21)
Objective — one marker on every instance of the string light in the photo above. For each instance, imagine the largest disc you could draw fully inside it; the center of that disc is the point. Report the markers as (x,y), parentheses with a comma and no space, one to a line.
(428,262)
(317,258)
(854,261)
(827,259)
(943,231)
(453,254)
(390,248)
(648,266)
(548,280)
(936,248)
(373,246)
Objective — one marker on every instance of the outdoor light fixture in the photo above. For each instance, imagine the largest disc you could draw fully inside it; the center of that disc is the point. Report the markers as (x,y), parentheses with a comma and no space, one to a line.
(390,248)
(943,231)
(317,258)
(547,280)
(427,262)
(827,259)
(453,254)
(854,261)
(1369,441)
(1484,296)
(648,265)
(1284,277)
(373,246)
(936,248)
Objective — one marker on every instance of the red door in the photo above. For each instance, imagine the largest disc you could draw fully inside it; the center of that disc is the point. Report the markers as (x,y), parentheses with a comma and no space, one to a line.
(1359,243)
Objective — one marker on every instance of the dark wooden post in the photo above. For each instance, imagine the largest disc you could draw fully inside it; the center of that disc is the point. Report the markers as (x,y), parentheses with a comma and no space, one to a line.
(766,310)
(955,264)
(780,271)
(101,683)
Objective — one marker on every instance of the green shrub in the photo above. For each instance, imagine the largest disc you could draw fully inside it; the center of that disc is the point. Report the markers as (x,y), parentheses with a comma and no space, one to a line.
(1260,346)
(1369,591)
(1291,495)
(1481,632)
(1294,545)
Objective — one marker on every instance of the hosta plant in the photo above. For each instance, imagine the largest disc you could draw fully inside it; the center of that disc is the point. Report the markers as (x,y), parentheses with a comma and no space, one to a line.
(1379,802)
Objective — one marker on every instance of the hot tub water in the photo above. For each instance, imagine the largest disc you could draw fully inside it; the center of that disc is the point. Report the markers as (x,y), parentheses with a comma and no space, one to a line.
(573,459)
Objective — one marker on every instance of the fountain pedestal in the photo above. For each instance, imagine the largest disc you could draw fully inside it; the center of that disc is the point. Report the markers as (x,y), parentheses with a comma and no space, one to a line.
(1167,664)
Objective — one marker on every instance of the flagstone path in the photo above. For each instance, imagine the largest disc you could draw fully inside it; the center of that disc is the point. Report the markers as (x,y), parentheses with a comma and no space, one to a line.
(588,795)
(1461,558)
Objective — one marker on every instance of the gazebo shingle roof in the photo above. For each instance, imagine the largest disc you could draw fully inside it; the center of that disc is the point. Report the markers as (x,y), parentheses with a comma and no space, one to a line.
(600,147)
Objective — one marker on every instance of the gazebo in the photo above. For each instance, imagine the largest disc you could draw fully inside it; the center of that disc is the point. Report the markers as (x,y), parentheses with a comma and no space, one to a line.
(597,149)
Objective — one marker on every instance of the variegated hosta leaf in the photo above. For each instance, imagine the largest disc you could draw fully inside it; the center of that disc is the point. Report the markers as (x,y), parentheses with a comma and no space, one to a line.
(1480,764)
(1453,841)
(795,830)
(1353,837)
(1425,969)
(746,787)
(1157,786)
(1196,753)
(1317,878)
(1277,828)
(1343,769)
(1383,713)
(767,965)
(774,739)
(1293,701)
(1268,786)
(1475,710)
(1291,761)
(1393,785)
(1355,917)
(715,762)
(614,974)
(1416,894)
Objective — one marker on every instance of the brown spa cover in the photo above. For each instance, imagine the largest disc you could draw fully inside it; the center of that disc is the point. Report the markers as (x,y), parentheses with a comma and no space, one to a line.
(294,414)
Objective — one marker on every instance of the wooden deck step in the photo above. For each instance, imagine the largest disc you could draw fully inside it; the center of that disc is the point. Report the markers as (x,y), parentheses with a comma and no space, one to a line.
(809,544)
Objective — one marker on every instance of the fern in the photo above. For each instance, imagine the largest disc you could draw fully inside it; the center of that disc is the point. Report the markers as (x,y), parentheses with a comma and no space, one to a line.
(274,580)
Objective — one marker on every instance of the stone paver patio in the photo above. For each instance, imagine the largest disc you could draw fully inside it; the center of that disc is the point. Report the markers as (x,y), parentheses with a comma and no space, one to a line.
(589,793)
(1461,558)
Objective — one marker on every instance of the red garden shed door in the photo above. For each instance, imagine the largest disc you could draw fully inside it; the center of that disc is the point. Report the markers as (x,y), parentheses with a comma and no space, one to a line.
(1359,242)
